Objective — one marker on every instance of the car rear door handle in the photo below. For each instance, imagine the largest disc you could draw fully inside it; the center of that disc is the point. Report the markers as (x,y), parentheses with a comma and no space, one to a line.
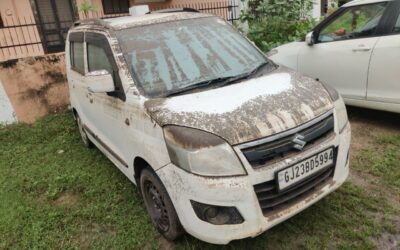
(361,48)
(90,97)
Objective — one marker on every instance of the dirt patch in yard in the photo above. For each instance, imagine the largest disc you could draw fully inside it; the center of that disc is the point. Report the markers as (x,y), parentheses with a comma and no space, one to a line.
(93,232)
(372,185)
(388,241)
(369,123)
(66,199)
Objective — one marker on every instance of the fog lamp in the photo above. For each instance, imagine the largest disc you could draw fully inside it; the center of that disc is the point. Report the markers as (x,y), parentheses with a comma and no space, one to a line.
(217,215)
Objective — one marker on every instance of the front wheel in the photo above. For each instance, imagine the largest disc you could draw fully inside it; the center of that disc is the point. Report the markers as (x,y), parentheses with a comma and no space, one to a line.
(159,206)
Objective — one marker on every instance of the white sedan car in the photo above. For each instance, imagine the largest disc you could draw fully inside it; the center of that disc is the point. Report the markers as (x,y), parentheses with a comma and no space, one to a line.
(356,50)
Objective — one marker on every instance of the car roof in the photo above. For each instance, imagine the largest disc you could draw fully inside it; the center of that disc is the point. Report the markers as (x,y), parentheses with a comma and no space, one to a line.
(125,22)
(363,2)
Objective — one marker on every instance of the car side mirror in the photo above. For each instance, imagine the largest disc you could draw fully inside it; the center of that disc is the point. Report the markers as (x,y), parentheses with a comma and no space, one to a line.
(100,81)
(310,39)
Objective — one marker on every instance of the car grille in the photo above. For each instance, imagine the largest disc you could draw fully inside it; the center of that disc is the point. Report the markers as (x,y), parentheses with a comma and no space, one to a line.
(271,199)
(275,150)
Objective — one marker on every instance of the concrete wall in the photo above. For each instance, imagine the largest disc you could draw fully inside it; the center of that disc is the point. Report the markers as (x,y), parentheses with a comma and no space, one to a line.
(316,12)
(34,87)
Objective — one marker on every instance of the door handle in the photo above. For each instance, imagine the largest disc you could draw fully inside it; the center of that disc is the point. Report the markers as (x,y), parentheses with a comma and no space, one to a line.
(361,48)
(90,97)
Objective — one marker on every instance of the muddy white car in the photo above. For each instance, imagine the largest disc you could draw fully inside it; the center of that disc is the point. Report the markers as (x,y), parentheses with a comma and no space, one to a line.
(222,143)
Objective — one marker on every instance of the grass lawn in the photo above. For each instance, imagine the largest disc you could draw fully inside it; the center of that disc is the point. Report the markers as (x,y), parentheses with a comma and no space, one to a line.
(54,193)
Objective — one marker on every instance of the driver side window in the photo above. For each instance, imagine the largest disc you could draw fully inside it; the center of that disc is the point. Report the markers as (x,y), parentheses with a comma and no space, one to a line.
(354,22)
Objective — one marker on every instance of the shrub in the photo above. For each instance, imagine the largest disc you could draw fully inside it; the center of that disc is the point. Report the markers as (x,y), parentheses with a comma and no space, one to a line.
(275,22)
(86,7)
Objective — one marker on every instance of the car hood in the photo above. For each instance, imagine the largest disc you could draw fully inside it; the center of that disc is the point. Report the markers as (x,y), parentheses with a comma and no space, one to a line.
(249,110)
(287,54)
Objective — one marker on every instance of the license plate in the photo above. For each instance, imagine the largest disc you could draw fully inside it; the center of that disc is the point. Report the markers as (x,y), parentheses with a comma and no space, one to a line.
(305,168)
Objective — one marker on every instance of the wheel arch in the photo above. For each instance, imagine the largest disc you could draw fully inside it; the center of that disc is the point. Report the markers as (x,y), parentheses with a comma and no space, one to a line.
(138,165)
(75,113)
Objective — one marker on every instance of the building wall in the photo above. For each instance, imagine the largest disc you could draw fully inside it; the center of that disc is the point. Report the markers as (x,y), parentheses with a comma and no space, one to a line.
(98,9)
(15,13)
(167,3)
(39,89)
(316,12)
(161,4)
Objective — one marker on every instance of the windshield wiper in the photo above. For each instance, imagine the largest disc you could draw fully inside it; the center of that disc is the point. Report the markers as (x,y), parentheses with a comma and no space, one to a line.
(245,75)
(221,81)
(202,84)
(257,69)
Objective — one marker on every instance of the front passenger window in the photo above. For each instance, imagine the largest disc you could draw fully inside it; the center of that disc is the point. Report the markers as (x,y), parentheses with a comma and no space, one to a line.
(355,22)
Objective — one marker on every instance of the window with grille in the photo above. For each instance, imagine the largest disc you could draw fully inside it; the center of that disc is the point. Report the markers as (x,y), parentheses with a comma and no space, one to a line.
(115,6)
(1,22)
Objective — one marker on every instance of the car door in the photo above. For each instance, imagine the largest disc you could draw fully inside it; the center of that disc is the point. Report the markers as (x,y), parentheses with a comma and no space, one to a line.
(76,74)
(108,110)
(343,47)
(384,73)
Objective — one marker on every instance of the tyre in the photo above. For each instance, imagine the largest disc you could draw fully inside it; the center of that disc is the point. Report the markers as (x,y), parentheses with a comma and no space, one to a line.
(159,205)
(82,132)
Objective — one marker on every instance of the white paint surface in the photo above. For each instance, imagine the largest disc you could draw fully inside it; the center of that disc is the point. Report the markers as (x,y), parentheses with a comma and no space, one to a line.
(7,114)
(228,99)
(316,12)
(139,10)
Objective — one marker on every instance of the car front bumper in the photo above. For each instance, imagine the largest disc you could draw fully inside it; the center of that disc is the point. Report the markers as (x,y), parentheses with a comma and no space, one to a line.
(239,192)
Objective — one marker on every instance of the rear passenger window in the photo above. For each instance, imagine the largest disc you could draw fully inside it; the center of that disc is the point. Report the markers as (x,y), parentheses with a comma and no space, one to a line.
(77,57)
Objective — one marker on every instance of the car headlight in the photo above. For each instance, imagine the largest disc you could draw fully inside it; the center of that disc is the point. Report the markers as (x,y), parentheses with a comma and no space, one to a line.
(341,114)
(201,153)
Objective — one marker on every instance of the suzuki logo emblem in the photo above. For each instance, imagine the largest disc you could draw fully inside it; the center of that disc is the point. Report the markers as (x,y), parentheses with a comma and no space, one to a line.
(298,142)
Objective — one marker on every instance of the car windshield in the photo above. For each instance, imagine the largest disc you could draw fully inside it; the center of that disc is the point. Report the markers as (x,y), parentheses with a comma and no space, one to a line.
(168,57)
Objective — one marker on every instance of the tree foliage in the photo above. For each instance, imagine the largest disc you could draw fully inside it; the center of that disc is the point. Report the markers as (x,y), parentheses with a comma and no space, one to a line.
(275,22)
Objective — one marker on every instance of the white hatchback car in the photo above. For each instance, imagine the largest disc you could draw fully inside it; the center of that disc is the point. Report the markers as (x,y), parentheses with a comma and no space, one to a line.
(356,50)
(220,140)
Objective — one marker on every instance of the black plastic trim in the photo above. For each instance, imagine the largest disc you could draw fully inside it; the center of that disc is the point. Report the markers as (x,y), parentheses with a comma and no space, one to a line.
(96,137)
(263,153)
(270,198)
(78,37)
(101,41)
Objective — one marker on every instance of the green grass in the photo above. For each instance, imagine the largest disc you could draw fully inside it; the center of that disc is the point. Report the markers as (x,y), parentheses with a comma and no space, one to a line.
(76,198)
(382,161)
